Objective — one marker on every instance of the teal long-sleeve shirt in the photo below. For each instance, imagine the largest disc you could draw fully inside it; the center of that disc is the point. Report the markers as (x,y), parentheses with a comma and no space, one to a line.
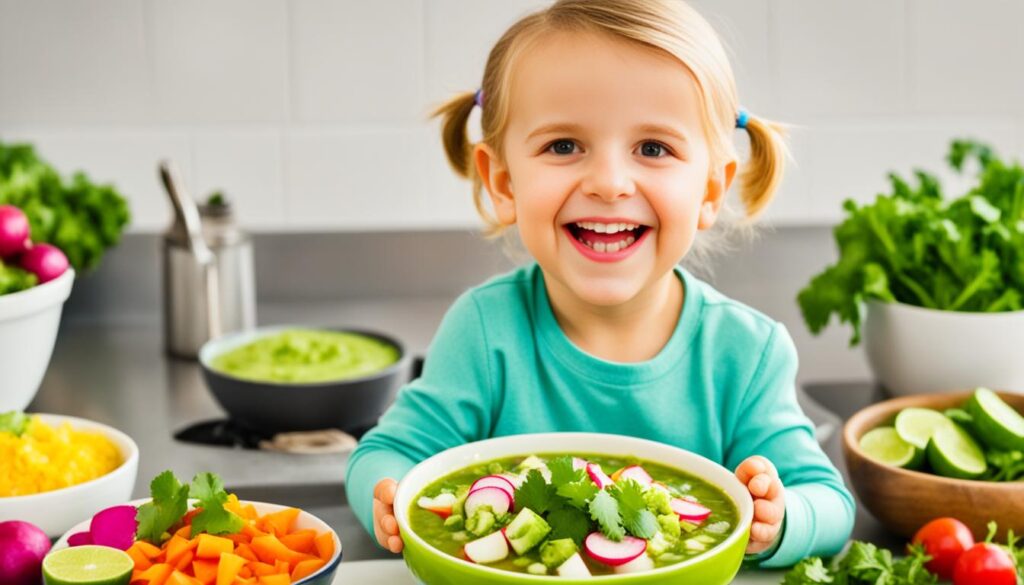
(723,387)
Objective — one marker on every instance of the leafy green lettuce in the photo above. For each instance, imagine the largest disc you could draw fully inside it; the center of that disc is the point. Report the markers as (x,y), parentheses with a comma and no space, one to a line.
(79,217)
(916,247)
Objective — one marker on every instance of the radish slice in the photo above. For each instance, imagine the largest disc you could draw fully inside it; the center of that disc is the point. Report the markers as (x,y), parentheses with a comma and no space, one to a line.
(114,527)
(640,564)
(494,481)
(637,474)
(661,487)
(598,476)
(489,549)
(79,539)
(573,567)
(497,498)
(440,504)
(578,463)
(689,511)
(605,550)
(513,479)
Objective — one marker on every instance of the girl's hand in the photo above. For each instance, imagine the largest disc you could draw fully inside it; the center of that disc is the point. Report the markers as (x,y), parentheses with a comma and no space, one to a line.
(761,478)
(385,526)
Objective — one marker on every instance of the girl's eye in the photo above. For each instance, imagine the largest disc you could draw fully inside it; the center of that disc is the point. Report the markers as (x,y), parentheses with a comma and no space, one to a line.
(653,149)
(562,147)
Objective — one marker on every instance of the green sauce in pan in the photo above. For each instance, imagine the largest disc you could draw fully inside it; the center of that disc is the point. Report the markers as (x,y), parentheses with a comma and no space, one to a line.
(307,356)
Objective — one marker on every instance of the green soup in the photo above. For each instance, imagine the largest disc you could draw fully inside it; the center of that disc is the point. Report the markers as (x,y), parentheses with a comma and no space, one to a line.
(307,356)
(564,494)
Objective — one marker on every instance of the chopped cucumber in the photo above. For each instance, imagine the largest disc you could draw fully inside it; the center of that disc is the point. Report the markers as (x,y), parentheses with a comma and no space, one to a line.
(526,531)
(555,552)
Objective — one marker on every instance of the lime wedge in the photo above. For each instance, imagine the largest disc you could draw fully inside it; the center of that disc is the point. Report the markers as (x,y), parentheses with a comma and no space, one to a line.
(87,565)
(916,425)
(998,425)
(885,446)
(953,453)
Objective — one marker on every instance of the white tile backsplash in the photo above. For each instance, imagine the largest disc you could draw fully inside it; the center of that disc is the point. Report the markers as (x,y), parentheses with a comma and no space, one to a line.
(247,166)
(73,62)
(357,62)
(223,61)
(312,113)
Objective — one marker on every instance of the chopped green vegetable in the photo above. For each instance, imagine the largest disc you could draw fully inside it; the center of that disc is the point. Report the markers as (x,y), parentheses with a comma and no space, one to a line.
(915,247)
(14,422)
(79,217)
(214,519)
(569,522)
(14,279)
(526,531)
(636,518)
(535,493)
(481,522)
(604,509)
(555,552)
(169,504)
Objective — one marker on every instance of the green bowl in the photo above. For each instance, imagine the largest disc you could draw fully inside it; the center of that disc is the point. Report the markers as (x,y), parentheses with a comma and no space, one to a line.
(431,566)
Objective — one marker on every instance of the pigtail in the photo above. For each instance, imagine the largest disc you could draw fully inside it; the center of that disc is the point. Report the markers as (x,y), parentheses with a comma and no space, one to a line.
(763,172)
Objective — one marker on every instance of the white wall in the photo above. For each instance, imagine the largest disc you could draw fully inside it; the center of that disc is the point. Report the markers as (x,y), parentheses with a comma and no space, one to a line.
(311,113)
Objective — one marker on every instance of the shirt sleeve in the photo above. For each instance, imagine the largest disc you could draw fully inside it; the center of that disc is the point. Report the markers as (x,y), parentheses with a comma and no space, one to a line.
(819,508)
(449,405)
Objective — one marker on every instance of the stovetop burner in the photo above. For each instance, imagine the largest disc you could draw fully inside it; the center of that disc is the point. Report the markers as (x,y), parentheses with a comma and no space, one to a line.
(228,433)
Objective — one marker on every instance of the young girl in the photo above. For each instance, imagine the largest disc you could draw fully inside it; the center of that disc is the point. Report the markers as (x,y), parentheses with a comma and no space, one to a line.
(607,141)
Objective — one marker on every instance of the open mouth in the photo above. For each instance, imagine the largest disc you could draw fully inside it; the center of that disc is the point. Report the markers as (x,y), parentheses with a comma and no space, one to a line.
(607,238)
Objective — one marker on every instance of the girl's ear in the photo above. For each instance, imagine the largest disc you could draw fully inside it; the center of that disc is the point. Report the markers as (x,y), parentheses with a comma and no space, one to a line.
(494,175)
(718,185)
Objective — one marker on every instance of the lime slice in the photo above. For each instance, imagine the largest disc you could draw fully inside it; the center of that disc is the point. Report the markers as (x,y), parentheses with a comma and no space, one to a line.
(996,422)
(885,446)
(87,565)
(916,425)
(953,453)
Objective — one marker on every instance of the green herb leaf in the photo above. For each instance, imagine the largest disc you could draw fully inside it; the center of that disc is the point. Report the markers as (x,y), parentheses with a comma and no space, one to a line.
(810,571)
(214,519)
(604,509)
(578,493)
(563,472)
(535,493)
(14,422)
(636,518)
(169,503)
(569,523)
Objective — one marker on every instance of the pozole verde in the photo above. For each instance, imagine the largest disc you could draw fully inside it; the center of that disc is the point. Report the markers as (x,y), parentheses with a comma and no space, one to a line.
(563,515)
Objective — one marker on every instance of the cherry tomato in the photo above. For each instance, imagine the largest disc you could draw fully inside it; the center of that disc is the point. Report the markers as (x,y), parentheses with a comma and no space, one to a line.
(984,564)
(944,539)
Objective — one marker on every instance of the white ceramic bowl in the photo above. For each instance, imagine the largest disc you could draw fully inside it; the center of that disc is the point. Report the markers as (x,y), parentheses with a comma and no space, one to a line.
(431,566)
(305,521)
(913,350)
(28,329)
(56,511)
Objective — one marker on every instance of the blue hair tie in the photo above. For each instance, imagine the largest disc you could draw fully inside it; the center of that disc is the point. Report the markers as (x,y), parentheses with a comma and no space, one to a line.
(478,99)
(741,118)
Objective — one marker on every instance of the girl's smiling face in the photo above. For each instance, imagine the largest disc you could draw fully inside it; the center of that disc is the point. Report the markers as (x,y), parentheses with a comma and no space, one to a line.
(606,169)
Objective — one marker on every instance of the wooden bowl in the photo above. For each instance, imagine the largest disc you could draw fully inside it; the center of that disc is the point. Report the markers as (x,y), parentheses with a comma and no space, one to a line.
(904,500)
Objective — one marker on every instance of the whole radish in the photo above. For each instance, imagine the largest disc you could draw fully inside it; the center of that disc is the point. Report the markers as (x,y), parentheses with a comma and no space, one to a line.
(47,262)
(22,548)
(14,231)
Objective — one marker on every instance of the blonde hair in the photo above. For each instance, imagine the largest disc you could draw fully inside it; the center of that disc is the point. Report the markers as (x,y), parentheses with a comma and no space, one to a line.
(671,26)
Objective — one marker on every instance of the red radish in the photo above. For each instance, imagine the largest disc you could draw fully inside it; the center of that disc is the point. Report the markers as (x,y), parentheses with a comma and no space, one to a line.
(689,511)
(441,504)
(489,549)
(497,481)
(605,550)
(573,567)
(14,231)
(640,564)
(578,463)
(22,548)
(513,479)
(637,474)
(598,476)
(661,487)
(497,498)
(80,539)
(114,527)
(45,261)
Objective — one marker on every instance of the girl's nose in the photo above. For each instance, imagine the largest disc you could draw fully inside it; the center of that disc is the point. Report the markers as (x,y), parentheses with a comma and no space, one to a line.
(608,178)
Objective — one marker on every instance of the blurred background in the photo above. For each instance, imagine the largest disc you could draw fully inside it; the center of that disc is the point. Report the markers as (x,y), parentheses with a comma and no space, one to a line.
(311,117)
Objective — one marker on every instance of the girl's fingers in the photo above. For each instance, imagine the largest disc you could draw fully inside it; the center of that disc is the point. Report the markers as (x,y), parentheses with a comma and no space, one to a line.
(765,486)
(390,524)
(748,469)
(761,532)
(385,491)
(768,511)
(395,544)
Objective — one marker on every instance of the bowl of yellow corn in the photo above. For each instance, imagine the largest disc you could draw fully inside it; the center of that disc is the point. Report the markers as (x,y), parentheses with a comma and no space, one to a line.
(56,470)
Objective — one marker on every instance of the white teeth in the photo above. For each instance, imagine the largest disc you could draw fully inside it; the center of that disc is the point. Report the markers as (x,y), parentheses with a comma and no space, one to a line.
(601,228)
(606,228)
(599,246)
(612,247)
(630,240)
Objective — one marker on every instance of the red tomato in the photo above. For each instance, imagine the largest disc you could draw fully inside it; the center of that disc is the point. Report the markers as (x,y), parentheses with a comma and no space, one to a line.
(984,564)
(944,539)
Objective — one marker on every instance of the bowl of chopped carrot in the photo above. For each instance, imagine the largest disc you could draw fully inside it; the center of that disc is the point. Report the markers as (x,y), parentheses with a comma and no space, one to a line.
(276,545)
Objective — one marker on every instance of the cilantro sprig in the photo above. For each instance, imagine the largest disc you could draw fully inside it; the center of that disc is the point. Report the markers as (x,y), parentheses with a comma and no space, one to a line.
(14,422)
(864,564)
(169,504)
